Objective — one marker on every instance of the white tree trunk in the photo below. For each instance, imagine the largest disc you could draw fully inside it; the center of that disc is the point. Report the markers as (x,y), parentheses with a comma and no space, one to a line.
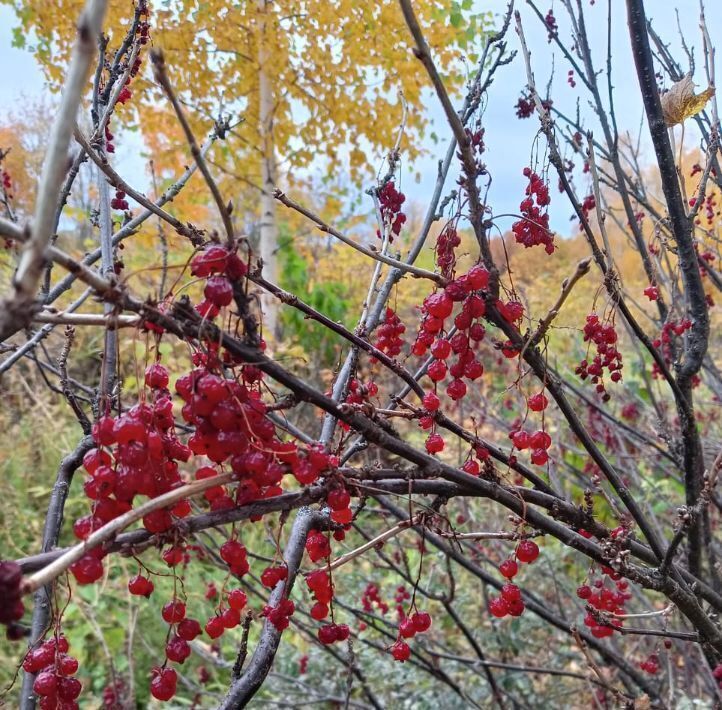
(268,225)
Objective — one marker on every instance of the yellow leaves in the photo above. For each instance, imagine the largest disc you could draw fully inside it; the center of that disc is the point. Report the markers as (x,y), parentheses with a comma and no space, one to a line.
(680,102)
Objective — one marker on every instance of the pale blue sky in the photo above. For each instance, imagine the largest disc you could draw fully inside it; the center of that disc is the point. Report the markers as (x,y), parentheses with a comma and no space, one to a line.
(509,140)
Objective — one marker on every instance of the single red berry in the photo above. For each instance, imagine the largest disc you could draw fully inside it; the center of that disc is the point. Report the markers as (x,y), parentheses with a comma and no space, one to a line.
(498,607)
(401,651)
(509,568)
(527,551)
(173,611)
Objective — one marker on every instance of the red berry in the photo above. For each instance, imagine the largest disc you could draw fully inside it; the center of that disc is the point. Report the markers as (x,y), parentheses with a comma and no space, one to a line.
(434,443)
(527,551)
(498,607)
(431,401)
(237,599)
(173,611)
(188,629)
(215,627)
(401,651)
(140,586)
(177,649)
(537,402)
(509,568)
(421,621)
(163,684)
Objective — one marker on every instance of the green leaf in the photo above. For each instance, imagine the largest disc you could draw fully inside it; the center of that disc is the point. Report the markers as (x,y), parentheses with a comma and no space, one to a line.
(18,38)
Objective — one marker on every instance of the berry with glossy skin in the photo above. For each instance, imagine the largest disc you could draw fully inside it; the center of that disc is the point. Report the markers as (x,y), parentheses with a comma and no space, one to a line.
(434,443)
(509,568)
(584,592)
(163,684)
(156,376)
(140,586)
(215,627)
(527,551)
(237,599)
(87,569)
(421,621)
(401,651)
(174,611)
(407,629)
(431,401)
(188,629)
(538,402)
(177,649)
(510,593)
(498,607)
(218,291)
(46,683)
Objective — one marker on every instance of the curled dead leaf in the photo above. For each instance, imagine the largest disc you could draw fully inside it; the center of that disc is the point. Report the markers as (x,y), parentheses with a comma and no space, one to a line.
(680,102)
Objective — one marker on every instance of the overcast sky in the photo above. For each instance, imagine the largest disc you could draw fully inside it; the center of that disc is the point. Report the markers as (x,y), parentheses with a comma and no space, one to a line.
(509,141)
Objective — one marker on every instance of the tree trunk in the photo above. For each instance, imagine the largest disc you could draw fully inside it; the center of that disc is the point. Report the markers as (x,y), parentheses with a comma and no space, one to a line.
(268,225)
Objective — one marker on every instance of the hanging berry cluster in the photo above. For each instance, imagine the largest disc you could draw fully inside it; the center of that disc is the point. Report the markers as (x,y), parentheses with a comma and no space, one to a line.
(119,202)
(219,267)
(605,599)
(533,228)
(607,356)
(418,622)
(539,442)
(389,334)
(446,244)
(391,200)
(509,602)
(55,668)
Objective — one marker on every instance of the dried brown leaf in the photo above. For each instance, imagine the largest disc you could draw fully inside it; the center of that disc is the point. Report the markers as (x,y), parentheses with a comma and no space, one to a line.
(680,102)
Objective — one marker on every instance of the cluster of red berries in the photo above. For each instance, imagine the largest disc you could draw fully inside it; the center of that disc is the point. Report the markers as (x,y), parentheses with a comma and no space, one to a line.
(651,664)
(509,602)
(605,599)
(389,334)
(607,357)
(539,442)
(533,228)
(213,264)
(319,582)
(224,619)
(7,184)
(331,633)
(417,623)
(525,106)
(670,330)
(142,462)
(445,253)
(570,78)
(55,668)
(318,546)
(358,393)
(11,603)
(371,595)
(280,614)
(119,202)
(589,203)
(339,500)
(391,200)
(551,24)
(219,267)
(109,145)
